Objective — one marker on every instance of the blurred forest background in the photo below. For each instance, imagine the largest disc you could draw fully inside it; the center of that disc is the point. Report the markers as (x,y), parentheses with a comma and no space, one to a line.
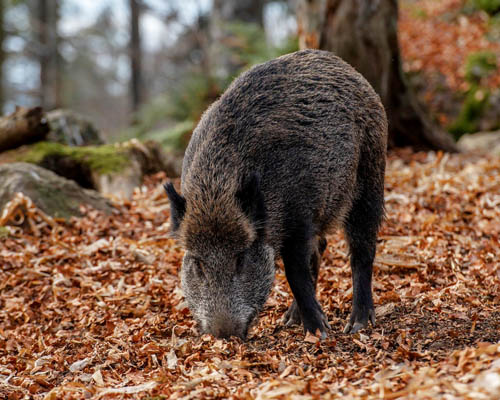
(148,68)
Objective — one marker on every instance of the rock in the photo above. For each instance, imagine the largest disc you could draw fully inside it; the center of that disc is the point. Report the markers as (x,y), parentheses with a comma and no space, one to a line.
(484,142)
(70,128)
(54,195)
(120,183)
(142,159)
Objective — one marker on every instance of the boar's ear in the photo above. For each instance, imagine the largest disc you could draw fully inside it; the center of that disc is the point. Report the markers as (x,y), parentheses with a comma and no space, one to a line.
(251,200)
(177,206)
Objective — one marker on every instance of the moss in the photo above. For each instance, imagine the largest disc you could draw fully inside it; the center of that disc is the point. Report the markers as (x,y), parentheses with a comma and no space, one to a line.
(472,110)
(489,6)
(4,232)
(102,159)
(478,66)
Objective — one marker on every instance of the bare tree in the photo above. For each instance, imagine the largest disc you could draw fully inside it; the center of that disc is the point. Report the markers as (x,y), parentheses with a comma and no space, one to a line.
(2,55)
(135,54)
(364,33)
(42,29)
(57,58)
(47,41)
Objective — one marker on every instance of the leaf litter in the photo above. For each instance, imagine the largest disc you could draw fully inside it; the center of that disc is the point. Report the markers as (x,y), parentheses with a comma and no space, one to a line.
(91,308)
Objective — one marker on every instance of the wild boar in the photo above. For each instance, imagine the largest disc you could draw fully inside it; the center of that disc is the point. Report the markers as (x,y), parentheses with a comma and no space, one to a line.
(294,148)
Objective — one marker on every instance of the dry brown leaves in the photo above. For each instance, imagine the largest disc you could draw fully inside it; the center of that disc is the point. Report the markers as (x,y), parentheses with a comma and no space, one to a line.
(93,309)
(436,36)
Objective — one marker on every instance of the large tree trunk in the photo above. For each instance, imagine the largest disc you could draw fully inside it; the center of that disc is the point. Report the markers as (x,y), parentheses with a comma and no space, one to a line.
(364,33)
(135,55)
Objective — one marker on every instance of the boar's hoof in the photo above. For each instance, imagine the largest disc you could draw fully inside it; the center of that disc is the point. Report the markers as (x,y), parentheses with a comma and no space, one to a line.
(292,315)
(316,321)
(359,320)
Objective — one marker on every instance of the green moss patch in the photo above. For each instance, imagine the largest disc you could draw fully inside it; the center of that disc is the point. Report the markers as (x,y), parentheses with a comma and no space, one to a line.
(102,159)
(478,66)
(489,6)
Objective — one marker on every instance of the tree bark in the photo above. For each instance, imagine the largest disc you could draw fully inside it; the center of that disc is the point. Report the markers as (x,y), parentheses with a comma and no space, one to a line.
(2,55)
(25,125)
(46,28)
(58,60)
(43,40)
(364,33)
(135,55)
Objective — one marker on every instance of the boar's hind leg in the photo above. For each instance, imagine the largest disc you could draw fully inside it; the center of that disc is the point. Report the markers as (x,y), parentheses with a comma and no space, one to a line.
(301,258)
(292,315)
(361,229)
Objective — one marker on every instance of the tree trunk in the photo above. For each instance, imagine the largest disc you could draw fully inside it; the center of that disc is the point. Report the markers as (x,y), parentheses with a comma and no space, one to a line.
(46,27)
(2,55)
(135,55)
(364,33)
(58,60)
(25,125)
(43,41)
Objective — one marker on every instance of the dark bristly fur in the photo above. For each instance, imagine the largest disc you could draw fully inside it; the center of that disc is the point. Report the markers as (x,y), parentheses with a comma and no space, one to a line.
(294,148)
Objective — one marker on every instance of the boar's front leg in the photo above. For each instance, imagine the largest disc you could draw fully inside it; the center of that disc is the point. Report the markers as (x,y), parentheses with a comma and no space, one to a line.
(296,253)
(292,315)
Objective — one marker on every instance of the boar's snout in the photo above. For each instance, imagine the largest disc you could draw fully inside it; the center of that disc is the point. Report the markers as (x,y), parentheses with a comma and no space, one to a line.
(225,326)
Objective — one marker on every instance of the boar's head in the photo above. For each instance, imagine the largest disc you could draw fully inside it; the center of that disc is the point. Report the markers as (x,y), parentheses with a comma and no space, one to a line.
(228,269)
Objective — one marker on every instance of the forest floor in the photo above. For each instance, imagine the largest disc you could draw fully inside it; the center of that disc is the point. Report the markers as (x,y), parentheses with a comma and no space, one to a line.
(91,308)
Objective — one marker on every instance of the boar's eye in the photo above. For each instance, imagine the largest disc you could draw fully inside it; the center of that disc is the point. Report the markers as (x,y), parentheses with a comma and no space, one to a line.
(198,265)
(240,262)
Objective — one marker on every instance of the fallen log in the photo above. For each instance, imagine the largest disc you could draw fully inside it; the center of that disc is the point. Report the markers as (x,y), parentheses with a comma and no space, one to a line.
(23,126)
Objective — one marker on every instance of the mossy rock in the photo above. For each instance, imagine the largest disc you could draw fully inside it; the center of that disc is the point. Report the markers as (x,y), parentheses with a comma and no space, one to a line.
(482,142)
(53,194)
(113,170)
(103,159)
(70,128)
